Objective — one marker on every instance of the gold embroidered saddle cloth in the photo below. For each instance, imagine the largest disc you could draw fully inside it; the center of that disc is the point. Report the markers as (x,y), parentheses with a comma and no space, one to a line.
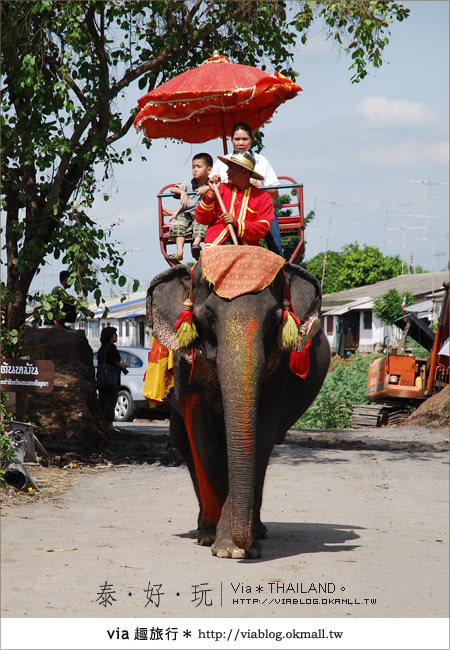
(236,270)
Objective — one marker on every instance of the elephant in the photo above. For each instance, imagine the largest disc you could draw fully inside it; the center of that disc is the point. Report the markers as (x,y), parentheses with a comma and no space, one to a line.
(234,396)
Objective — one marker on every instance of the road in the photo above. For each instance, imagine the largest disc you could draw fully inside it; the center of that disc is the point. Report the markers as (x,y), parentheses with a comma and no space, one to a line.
(352,533)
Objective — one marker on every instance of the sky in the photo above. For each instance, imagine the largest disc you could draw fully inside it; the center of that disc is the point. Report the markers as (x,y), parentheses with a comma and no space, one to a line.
(373,157)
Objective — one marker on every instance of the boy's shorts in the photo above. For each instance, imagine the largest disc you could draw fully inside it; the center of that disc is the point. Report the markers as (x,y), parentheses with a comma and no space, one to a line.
(185,225)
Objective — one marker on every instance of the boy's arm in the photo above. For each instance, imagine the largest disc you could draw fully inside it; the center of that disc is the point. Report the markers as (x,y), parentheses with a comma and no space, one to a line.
(179,191)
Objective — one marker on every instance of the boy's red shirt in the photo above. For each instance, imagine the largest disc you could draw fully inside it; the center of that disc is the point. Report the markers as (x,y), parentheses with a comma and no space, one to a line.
(252,208)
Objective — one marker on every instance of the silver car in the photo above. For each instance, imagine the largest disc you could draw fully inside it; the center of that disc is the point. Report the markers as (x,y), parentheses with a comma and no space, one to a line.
(130,400)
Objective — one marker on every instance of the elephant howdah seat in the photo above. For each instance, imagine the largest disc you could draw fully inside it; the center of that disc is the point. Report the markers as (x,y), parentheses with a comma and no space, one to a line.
(290,218)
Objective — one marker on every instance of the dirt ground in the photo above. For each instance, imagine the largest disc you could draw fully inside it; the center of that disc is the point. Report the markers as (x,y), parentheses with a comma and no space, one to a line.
(370,527)
(433,412)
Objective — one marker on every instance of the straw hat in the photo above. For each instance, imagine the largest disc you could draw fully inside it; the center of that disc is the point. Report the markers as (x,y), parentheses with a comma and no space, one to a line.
(243,159)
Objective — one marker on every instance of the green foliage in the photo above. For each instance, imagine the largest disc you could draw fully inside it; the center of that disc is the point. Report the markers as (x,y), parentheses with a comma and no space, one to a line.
(65,67)
(7,453)
(417,350)
(388,307)
(354,267)
(345,387)
(359,27)
(6,456)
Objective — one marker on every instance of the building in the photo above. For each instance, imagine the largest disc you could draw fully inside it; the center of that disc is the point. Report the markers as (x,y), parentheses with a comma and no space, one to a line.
(128,315)
(347,316)
(350,324)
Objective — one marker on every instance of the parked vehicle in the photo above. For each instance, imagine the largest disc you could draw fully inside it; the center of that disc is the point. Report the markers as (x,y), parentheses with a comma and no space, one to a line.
(129,400)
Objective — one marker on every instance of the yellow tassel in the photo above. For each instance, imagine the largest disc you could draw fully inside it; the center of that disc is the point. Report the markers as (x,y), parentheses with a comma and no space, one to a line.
(288,330)
(186,334)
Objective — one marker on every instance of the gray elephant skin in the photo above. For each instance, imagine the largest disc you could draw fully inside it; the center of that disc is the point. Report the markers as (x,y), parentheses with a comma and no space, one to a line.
(240,397)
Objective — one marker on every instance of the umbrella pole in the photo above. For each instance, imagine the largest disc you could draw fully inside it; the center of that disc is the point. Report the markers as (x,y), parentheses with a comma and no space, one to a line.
(224,133)
(222,207)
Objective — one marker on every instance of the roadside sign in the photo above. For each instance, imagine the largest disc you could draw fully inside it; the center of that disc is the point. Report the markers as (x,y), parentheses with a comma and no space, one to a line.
(20,376)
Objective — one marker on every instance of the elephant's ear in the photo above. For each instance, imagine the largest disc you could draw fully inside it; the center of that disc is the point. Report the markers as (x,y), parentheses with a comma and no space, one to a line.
(165,298)
(306,298)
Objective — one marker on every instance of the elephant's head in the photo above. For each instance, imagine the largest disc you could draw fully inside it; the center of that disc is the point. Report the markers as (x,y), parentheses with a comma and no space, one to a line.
(239,337)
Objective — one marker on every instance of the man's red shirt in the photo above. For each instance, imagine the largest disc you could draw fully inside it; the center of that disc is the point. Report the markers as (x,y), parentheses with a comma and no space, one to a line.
(252,208)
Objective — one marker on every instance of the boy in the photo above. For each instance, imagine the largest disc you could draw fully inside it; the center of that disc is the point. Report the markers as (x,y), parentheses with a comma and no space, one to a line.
(183,223)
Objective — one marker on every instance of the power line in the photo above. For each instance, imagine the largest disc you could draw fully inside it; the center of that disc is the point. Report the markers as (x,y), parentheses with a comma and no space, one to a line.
(330,220)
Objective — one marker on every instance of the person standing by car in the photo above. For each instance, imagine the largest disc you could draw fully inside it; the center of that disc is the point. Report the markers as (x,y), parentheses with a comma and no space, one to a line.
(109,355)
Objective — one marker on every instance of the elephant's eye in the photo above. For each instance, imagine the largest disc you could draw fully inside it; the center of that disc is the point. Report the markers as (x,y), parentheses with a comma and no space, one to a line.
(274,317)
(208,323)
(210,317)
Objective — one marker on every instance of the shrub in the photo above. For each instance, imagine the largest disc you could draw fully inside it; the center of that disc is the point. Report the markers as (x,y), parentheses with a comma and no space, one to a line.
(345,386)
(7,455)
(388,307)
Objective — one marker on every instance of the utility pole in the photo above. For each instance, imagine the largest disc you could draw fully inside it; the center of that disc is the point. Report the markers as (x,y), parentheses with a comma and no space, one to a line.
(330,220)
(430,184)
(405,228)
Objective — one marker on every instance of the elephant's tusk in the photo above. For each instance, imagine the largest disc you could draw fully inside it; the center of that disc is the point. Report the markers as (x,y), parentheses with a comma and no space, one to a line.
(313,327)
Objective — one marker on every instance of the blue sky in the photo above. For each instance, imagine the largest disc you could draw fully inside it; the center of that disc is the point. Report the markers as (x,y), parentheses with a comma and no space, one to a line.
(355,147)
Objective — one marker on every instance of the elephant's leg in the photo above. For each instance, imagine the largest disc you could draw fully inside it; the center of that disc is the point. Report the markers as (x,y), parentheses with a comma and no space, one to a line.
(224,545)
(259,529)
(180,441)
(203,448)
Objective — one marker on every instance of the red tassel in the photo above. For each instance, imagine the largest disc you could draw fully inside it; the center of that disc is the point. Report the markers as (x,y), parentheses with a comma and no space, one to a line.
(185,326)
(299,362)
(286,313)
(185,316)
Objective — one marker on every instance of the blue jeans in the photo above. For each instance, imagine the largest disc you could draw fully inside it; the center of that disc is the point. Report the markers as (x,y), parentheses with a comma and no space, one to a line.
(273,237)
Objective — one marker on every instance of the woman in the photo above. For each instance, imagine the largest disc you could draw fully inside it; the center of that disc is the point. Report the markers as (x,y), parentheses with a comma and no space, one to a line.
(109,354)
(242,139)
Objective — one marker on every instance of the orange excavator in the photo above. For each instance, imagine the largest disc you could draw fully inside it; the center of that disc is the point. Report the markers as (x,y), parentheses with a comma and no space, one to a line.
(398,381)
(399,376)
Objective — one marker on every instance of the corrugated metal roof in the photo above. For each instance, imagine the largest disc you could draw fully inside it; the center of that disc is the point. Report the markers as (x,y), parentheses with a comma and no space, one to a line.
(362,303)
(424,306)
(134,306)
(417,283)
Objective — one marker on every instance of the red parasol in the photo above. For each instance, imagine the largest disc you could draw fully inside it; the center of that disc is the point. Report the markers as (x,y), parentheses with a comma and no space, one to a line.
(203,103)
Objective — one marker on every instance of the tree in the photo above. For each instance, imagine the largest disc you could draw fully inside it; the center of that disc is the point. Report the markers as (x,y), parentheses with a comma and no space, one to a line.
(388,307)
(354,267)
(65,68)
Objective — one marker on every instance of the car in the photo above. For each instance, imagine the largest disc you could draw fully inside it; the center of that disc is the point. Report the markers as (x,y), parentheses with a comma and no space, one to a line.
(130,400)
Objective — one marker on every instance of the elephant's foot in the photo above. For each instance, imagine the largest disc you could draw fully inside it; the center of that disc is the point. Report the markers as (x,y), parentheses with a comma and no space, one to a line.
(259,530)
(228,549)
(224,545)
(206,534)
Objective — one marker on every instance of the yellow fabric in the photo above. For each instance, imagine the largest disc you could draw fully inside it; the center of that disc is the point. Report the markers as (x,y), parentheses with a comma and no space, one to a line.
(159,375)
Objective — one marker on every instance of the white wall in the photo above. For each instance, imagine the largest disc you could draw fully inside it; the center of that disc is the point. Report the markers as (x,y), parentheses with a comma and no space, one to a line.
(370,340)
(128,331)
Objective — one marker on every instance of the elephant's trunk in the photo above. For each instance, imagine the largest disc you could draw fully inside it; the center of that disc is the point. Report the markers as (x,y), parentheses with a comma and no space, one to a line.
(239,363)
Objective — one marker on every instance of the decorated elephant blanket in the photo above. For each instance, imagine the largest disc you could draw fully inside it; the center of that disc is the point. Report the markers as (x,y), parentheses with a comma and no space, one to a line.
(236,270)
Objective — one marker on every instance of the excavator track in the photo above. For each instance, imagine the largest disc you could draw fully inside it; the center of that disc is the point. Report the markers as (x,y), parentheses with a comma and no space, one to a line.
(379,415)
